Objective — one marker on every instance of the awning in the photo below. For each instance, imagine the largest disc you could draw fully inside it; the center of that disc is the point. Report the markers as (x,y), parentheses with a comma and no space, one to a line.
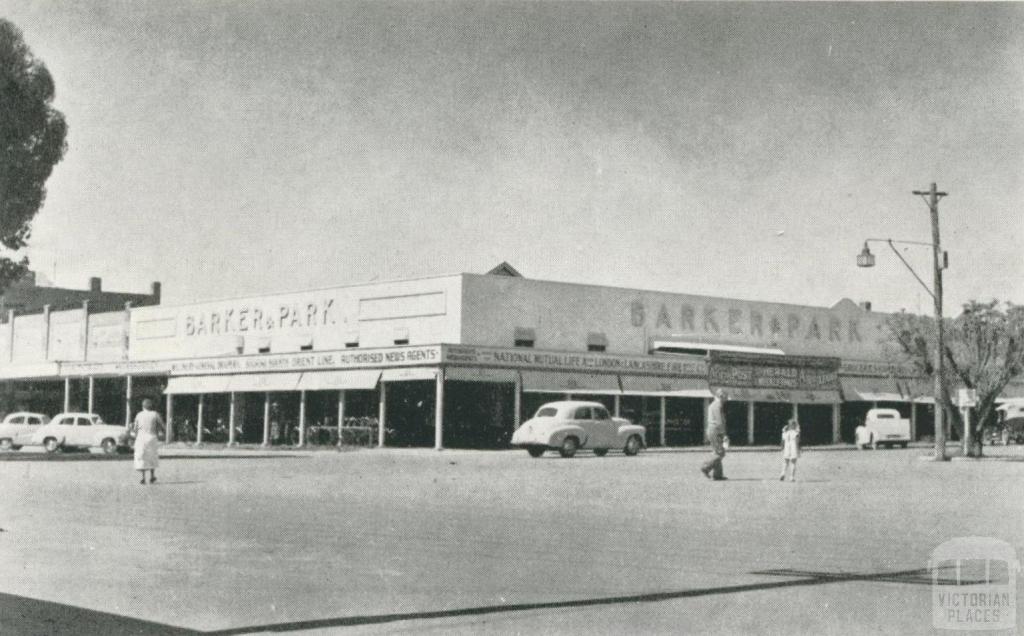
(782,395)
(339,380)
(872,389)
(262,382)
(582,383)
(920,390)
(671,387)
(408,374)
(196,384)
(479,374)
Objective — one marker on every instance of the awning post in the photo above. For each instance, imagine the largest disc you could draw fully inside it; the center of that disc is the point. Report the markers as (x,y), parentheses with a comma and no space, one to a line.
(199,421)
(302,419)
(382,412)
(439,411)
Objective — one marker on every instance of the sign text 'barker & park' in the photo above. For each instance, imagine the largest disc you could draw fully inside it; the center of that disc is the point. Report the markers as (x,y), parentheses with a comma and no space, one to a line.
(711,320)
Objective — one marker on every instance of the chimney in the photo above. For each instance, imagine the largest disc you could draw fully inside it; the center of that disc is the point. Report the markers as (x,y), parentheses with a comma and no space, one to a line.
(95,284)
(155,287)
(865,305)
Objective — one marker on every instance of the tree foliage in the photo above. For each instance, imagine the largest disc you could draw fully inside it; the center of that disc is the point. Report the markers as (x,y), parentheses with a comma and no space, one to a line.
(32,142)
(984,351)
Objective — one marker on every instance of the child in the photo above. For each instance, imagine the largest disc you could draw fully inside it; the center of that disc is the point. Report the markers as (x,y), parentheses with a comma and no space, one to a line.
(790,449)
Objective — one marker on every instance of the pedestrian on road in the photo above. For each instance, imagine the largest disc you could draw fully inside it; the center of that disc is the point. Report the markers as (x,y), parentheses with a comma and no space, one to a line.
(715,434)
(790,449)
(864,437)
(146,429)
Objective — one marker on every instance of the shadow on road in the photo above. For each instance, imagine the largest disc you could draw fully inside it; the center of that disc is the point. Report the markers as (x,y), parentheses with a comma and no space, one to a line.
(806,578)
(20,615)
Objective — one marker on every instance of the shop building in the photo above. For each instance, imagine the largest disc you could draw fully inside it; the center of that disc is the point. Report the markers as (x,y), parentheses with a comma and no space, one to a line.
(459,361)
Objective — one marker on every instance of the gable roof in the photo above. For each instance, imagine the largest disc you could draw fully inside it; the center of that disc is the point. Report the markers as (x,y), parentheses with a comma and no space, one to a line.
(504,269)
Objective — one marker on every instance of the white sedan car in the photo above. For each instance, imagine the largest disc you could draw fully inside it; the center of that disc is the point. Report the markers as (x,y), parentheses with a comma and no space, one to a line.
(570,426)
(80,430)
(18,428)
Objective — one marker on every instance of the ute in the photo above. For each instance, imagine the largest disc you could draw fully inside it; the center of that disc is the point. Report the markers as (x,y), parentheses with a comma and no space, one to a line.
(888,427)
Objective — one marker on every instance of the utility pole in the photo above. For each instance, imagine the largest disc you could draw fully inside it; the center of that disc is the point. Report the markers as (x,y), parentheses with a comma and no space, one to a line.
(931,198)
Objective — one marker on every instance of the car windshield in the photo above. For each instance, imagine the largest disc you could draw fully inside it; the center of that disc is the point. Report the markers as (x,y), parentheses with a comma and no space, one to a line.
(547,411)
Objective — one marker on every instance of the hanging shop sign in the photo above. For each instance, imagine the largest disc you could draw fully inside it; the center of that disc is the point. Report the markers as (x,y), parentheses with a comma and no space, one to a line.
(790,374)
(590,362)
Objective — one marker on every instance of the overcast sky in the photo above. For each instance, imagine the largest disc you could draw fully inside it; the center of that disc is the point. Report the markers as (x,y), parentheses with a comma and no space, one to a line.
(738,150)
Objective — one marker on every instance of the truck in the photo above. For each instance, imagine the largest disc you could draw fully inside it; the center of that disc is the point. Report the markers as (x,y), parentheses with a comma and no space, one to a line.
(888,427)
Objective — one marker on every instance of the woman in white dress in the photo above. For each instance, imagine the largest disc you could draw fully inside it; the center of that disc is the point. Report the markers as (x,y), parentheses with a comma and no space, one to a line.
(146,429)
(790,449)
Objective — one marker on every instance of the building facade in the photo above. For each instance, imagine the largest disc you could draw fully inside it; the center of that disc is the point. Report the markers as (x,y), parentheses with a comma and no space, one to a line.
(459,361)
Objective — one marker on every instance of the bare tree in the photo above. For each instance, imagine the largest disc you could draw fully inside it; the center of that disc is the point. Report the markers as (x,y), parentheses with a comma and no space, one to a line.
(984,351)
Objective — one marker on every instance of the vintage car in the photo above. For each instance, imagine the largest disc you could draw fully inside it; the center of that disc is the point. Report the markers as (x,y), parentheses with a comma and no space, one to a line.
(80,430)
(572,425)
(18,428)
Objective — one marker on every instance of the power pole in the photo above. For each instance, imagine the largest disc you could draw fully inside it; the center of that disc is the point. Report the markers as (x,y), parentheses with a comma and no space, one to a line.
(932,197)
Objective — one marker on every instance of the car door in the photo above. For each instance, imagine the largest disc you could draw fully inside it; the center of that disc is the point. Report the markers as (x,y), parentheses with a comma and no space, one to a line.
(25,433)
(65,429)
(14,427)
(584,418)
(83,431)
(605,429)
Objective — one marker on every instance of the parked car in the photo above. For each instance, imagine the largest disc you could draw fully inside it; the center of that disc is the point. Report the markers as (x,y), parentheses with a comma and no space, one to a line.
(18,428)
(888,427)
(573,425)
(80,430)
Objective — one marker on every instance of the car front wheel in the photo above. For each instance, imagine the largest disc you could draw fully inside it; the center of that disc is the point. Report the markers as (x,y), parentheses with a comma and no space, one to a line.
(51,444)
(569,447)
(109,446)
(633,445)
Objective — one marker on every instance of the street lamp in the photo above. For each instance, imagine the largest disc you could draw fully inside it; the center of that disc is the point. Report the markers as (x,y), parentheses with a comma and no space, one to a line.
(940,262)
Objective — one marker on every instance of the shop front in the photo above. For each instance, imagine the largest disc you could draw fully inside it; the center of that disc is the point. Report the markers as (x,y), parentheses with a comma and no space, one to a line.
(776,388)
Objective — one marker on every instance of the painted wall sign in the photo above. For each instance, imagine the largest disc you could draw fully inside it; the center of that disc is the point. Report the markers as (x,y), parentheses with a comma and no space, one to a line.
(709,319)
(368,358)
(250,317)
(880,369)
(593,362)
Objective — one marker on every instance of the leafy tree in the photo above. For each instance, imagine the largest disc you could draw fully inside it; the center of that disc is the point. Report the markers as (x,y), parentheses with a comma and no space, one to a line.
(984,350)
(32,142)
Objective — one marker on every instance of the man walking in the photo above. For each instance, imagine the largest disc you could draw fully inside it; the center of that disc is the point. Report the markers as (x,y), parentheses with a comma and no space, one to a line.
(715,433)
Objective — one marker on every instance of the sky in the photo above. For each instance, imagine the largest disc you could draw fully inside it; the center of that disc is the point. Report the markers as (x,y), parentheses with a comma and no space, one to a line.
(727,149)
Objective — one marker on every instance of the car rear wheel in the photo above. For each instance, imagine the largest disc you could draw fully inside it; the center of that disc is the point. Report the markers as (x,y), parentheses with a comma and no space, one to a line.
(633,445)
(51,444)
(535,451)
(6,444)
(569,447)
(109,446)
(600,452)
